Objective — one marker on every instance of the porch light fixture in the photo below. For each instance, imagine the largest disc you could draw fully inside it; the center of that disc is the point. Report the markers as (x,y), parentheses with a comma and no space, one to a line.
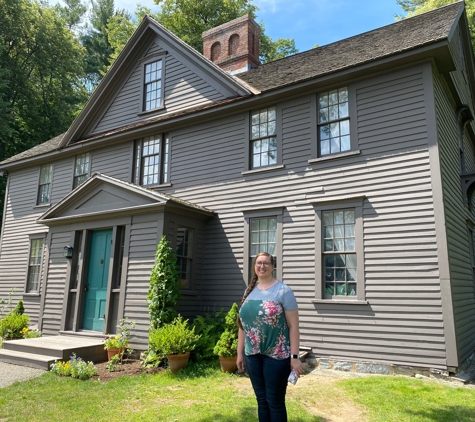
(68,252)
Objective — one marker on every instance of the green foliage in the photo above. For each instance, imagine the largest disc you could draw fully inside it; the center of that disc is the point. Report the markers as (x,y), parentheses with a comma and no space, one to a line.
(113,363)
(75,367)
(228,341)
(6,304)
(19,308)
(12,325)
(173,339)
(28,333)
(209,327)
(164,290)
(121,339)
(273,50)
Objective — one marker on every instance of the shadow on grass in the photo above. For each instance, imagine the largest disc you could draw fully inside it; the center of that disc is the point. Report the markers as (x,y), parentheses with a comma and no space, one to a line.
(248,414)
(446,414)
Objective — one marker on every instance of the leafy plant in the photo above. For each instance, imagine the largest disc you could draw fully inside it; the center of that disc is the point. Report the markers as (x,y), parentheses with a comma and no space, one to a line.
(11,325)
(121,339)
(113,363)
(174,338)
(76,367)
(29,333)
(209,327)
(19,308)
(228,341)
(164,290)
(6,304)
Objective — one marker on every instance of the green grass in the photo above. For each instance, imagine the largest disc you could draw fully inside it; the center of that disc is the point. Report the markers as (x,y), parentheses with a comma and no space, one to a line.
(201,393)
(400,399)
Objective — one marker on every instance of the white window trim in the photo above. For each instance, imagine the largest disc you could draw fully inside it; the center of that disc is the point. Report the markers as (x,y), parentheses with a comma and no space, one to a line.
(143,64)
(355,203)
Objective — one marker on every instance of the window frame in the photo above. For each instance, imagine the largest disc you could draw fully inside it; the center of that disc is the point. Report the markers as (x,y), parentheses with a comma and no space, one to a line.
(352,116)
(248,167)
(356,204)
(144,63)
(28,285)
(49,184)
(86,174)
(248,215)
(163,160)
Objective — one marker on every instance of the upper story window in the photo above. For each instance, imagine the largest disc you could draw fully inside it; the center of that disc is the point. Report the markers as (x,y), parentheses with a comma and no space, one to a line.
(153,85)
(152,160)
(333,122)
(184,251)
(34,265)
(44,187)
(81,169)
(263,138)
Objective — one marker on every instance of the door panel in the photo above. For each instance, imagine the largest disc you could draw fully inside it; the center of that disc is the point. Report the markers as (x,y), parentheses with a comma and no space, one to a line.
(96,283)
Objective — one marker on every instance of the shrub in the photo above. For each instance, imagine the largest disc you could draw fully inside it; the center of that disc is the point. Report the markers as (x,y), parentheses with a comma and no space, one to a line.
(228,342)
(164,290)
(121,339)
(28,333)
(174,338)
(11,325)
(209,327)
(19,308)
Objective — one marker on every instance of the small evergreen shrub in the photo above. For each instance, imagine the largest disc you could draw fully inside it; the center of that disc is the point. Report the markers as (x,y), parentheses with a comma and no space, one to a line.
(228,341)
(19,308)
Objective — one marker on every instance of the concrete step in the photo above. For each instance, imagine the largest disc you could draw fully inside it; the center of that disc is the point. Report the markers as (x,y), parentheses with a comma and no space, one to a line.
(26,359)
(41,352)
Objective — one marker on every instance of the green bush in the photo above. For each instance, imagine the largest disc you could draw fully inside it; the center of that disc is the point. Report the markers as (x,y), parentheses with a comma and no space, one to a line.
(75,367)
(12,325)
(228,341)
(19,308)
(174,338)
(209,327)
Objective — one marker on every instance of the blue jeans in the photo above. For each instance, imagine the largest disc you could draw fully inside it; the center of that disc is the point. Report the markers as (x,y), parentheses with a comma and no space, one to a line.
(269,380)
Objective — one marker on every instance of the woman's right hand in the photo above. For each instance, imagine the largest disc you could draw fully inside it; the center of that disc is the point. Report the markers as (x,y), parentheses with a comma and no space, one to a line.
(240,363)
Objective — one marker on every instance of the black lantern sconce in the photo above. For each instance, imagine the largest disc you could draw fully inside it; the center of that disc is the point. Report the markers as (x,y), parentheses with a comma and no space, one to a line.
(68,252)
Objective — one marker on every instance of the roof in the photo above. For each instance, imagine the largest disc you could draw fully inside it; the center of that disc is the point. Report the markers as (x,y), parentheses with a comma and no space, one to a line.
(403,36)
(386,41)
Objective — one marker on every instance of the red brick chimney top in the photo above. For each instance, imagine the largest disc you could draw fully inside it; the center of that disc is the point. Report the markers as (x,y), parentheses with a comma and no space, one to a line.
(233,46)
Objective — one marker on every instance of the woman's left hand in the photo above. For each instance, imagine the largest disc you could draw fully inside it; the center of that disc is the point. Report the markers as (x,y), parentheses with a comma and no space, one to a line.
(297,366)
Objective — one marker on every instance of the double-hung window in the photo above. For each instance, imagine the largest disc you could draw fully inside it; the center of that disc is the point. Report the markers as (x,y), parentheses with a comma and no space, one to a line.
(333,122)
(44,187)
(184,251)
(151,160)
(153,87)
(34,264)
(339,259)
(263,233)
(263,138)
(81,169)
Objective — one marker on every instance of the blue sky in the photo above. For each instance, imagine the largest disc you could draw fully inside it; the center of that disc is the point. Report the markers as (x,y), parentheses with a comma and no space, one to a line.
(310,22)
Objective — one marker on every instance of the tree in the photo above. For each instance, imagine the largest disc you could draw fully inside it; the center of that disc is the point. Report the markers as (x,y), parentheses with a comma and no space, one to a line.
(416,7)
(188,19)
(41,66)
(73,13)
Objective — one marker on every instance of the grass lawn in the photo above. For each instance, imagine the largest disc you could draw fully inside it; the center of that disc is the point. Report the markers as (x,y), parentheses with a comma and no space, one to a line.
(202,393)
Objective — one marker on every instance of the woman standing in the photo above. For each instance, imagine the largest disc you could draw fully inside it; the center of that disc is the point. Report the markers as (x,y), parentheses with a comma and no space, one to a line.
(268,340)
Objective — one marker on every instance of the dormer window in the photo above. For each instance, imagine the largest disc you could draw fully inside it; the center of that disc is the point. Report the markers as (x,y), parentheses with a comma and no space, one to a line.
(153,93)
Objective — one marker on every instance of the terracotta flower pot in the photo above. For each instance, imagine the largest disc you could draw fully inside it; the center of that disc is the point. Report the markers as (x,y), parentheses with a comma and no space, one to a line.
(177,362)
(228,364)
(114,351)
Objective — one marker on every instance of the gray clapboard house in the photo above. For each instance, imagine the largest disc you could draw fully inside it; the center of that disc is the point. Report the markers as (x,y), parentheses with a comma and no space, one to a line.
(353,163)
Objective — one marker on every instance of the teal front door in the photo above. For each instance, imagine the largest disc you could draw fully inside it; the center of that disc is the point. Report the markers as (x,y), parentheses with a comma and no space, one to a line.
(96,283)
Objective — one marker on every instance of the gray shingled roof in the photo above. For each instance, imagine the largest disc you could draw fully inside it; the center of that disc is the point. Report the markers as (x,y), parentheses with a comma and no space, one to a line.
(383,42)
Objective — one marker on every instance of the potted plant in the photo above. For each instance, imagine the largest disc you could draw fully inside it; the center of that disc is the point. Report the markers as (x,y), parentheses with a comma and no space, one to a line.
(226,347)
(174,341)
(115,344)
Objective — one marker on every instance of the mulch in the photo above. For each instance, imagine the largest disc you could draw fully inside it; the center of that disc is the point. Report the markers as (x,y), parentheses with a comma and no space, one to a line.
(130,367)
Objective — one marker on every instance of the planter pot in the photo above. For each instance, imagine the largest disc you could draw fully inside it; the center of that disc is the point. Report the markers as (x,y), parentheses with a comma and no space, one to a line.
(114,351)
(228,364)
(177,362)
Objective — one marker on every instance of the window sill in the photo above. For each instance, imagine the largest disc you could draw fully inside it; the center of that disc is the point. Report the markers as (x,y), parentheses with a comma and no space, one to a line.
(31,294)
(340,302)
(42,206)
(334,157)
(164,185)
(154,110)
(263,169)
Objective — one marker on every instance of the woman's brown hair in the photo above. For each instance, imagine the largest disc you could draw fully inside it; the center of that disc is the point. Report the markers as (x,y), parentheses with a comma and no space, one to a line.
(254,279)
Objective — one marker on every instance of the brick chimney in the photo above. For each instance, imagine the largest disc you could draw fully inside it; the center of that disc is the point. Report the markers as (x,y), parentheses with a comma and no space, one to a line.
(233,46)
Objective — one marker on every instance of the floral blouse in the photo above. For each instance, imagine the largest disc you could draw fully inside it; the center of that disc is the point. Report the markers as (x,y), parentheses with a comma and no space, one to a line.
(263,320)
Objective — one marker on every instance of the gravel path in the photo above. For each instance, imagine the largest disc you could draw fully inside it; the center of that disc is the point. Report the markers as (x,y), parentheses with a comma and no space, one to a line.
(11,373)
